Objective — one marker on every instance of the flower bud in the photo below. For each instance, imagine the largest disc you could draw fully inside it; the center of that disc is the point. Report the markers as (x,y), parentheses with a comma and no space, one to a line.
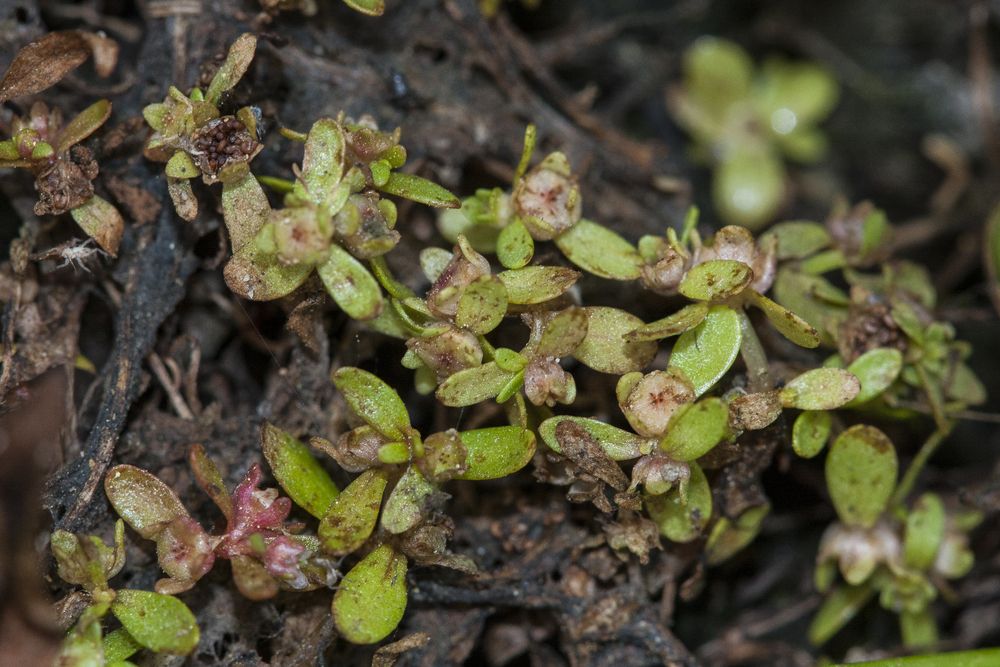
(546,383)
(658,473)
(653,400)
(548,198)
(300,235)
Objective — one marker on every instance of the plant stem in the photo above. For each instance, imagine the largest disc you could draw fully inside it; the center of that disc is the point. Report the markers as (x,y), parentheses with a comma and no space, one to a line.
(987,657)
(758,370)
(919,461)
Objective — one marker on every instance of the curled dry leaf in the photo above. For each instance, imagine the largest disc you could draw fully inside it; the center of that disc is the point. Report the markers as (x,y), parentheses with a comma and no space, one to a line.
(43,63)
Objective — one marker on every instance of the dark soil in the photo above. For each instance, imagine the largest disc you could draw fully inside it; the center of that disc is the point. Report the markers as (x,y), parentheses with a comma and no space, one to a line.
(180,360)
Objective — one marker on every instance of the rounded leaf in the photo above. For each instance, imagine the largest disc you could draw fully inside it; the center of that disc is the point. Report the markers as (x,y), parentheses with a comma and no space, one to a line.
(695,429)
(143,501)
(605,349)
(820,389)
(374,401)
(705,353)
(245,209)
(563,334)
(233,68)
(83,125)
(810,432)
(728,537)
(925,525)
(788,324)
(684,319)
(515,247)
(350,284)
(102,222)
(618,444)
(838,609)
(405,505)
(371,599)
(715,280)
(352,515)
(600,251)
(419,190)
(797,239)
(496,452)
(161,623)
(257,274)
(748,188)
(180,165)
(537,284)
(482,305)
(474,385)
(861,474)
(680,519)
(298,472)
(322,162)
(876,370)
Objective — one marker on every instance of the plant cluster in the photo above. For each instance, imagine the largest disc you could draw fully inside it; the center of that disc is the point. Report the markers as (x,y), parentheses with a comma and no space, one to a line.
(888,359)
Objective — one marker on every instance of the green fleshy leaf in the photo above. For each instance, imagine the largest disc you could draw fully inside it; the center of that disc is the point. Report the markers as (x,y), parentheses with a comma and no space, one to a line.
(473,385)
(798,239)
(705,353)
(371,599)
(861,474)
(161,623)
(991,255)
(728,537)
(810,432)
(208,477)
(404,508)
(788,324)
(298,472)
(245,209)
(180,165)
(350,284)
(618,444)
(820,389)
(370,7)
(683,520)
(695,429)
(419,190)
(232,70)
(322,163)
(496,452)
(748,187)
(82,646)
(876,369)
(965,387)
(925,525)
(143,501)
(716,280)
(814,299)
(255,272)
(352,515)
(600,251)
(482,305)
(563,334)
(102,222)
(515,247)
(795,94)
(509,360)
(837,611)
(684,319)
(605,349)
(537,284)
(83,125)
(717,74)
(374,401)
(120,645)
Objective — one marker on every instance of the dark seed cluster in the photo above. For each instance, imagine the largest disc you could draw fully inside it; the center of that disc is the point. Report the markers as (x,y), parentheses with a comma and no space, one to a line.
(221,142)
(66,184)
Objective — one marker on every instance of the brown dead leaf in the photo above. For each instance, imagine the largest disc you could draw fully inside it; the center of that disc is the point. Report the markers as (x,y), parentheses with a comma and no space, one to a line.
(388,654)
(581,448)
(43,63)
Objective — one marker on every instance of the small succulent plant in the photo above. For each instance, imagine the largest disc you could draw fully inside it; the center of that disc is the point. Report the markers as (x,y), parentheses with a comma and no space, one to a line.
(64,169)
(744,121)
(901,554)
(153,621)
(544,205)
(193,138)
(334,217)
(393,505)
